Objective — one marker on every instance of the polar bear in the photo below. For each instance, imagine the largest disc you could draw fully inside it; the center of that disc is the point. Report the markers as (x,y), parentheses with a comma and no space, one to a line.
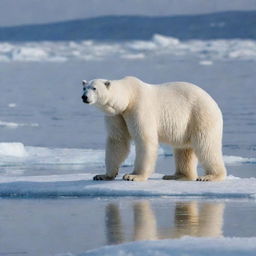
(179,113)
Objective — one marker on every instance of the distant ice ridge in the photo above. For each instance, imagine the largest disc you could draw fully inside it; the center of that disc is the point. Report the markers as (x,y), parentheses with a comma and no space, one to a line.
(192,246)
(205,50)
(16,154)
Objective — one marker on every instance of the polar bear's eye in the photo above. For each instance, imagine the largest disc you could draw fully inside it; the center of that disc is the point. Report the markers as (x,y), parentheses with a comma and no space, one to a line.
(93,88)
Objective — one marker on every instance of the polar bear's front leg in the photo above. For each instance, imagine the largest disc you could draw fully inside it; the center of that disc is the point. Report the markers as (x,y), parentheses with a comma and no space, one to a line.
(146,154)
(116,152)
(117,146)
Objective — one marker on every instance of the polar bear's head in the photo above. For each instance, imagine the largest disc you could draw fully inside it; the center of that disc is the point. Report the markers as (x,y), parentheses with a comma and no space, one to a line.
(110,96)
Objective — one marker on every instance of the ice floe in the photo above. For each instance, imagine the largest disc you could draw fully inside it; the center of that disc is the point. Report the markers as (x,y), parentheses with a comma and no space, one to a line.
(206,50)
(185,246)
(82,185)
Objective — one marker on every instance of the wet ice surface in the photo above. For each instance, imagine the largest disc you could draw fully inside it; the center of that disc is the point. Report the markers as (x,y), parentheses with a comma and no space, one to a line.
(56,134)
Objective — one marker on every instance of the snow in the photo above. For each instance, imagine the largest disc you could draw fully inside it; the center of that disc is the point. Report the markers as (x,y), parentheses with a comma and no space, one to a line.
(206,50)
(188,246)
(82,185)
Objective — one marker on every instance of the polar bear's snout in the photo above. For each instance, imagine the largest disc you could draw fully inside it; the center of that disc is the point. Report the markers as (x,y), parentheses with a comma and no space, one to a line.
(85,99)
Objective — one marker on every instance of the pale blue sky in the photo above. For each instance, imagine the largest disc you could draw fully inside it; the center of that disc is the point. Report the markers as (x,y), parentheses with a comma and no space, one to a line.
(17,12)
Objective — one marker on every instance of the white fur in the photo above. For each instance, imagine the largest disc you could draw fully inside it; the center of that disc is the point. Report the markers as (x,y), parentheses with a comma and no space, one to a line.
(180,114)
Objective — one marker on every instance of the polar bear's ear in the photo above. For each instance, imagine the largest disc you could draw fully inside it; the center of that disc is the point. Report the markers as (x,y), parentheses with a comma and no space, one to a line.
(84,82)
(107,83)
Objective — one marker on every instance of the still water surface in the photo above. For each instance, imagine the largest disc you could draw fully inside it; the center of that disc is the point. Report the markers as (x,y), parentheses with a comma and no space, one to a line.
(49,226)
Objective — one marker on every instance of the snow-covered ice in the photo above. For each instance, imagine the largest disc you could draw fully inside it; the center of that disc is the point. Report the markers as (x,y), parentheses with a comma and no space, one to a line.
(82,185)
(178,247)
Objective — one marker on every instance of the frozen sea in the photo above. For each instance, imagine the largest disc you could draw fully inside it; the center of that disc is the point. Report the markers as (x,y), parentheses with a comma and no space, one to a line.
(51,145)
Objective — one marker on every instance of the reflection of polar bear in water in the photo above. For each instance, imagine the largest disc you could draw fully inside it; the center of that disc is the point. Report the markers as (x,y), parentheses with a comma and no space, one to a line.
(191,218)
(179,114)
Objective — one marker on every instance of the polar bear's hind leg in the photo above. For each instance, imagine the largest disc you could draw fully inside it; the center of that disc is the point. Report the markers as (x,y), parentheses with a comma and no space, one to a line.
(210,156)
(186,164)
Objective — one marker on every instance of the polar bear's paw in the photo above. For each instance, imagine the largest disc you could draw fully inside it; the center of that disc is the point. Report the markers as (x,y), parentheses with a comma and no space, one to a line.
(176,177)
(134,177)
(211,177)
(103,177)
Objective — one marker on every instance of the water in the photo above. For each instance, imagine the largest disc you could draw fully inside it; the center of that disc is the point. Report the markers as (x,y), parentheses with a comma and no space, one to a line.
(56,134)
(51,227)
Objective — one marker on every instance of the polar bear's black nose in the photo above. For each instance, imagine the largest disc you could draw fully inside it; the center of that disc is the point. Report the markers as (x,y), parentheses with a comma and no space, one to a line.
(85,99)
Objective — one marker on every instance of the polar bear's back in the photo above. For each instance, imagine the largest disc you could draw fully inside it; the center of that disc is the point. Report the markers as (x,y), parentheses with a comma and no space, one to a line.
(183,90)
(187,95)
(183,107)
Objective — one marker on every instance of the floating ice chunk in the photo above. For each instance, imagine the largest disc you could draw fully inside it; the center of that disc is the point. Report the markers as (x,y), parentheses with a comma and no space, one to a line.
(141,46)
(30,54)
(8,124)
(165,41)
(133,56)
(13,149)
(16,125)
(205,62)
(12,105)
(242,54)
(238,160)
